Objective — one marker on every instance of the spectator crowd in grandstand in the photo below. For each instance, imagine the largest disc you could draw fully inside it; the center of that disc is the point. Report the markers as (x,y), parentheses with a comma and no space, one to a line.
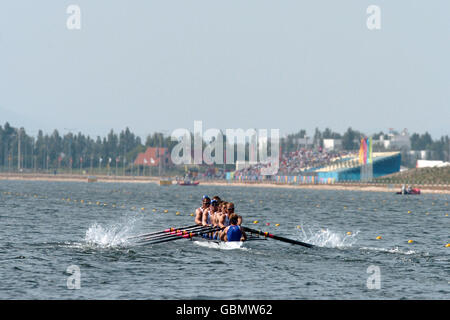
(293,163)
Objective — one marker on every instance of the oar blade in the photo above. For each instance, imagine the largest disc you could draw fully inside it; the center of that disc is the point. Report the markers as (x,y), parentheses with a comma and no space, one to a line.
(275,237)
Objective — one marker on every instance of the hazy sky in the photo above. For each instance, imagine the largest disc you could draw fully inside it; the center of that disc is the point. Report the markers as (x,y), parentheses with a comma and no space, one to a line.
(287,64)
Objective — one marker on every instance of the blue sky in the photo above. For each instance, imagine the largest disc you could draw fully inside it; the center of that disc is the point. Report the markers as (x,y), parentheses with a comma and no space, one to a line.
(289,64)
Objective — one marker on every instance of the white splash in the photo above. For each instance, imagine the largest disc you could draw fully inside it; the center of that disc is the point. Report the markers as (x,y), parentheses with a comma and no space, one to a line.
(393,250)
(115,235)
(328,238)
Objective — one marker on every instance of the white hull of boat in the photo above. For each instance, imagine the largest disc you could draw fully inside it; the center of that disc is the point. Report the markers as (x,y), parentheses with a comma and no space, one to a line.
(214,244)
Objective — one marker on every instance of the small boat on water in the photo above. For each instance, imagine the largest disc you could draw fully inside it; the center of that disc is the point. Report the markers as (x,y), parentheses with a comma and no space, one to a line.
(165,182)
(188,183)
(92,179)
(412,191)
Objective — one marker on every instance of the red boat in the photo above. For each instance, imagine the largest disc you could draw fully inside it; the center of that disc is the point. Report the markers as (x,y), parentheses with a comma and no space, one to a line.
(412,191)
(188,183)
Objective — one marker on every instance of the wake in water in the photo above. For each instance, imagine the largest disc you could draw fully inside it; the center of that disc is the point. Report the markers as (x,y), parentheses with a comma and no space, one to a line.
(331,239)
(327,238)
(394,250)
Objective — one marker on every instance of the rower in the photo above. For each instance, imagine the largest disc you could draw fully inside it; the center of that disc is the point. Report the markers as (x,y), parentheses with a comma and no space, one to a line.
(225,221)
(209,214)
(224,216)
(233,232)
(222,207)
(200,212)
(230,210)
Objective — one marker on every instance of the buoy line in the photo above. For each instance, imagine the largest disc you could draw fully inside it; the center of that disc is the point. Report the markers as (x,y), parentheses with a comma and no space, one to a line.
(178,213)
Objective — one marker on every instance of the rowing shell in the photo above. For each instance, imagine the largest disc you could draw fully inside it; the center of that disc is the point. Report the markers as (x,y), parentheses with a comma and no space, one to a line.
(215,244)
(224,245)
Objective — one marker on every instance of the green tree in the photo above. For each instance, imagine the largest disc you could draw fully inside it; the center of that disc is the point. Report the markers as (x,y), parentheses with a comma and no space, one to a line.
(318,140)
(329,134)
(348,139)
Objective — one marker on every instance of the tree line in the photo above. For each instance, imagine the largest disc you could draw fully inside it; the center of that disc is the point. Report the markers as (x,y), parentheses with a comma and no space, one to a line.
(18,150)
(53,151)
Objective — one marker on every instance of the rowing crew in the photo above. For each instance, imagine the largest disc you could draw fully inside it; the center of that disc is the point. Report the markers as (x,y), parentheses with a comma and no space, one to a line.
(217,213)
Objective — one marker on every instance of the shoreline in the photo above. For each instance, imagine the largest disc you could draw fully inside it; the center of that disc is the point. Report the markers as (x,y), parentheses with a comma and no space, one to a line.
(368,187)
(336,186)
(76,178)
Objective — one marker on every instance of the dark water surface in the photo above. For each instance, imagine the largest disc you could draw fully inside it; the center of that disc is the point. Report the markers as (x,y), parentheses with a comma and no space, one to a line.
(48,226)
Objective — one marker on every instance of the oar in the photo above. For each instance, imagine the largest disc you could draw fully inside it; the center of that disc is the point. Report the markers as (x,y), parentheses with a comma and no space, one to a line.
(255,238)
(183,235)
(161,232)
(173,234)
(172,237)
(170,232)
(266,234)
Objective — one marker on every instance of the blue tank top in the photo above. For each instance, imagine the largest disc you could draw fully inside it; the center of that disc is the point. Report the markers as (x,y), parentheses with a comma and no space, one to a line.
(234,233)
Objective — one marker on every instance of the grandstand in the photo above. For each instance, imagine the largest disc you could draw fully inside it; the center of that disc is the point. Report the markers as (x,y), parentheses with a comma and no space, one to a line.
(350,169)
(309,167)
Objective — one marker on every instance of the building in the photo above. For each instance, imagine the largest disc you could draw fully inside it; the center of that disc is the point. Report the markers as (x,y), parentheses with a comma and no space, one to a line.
(152,157)
(419,154)
(346,170)
(306,142)
(395,141)
(431,163)
(332,144)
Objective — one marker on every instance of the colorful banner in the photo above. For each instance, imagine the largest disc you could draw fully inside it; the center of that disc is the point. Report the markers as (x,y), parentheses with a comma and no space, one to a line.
(369,157)
(362,147)
(365,151)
